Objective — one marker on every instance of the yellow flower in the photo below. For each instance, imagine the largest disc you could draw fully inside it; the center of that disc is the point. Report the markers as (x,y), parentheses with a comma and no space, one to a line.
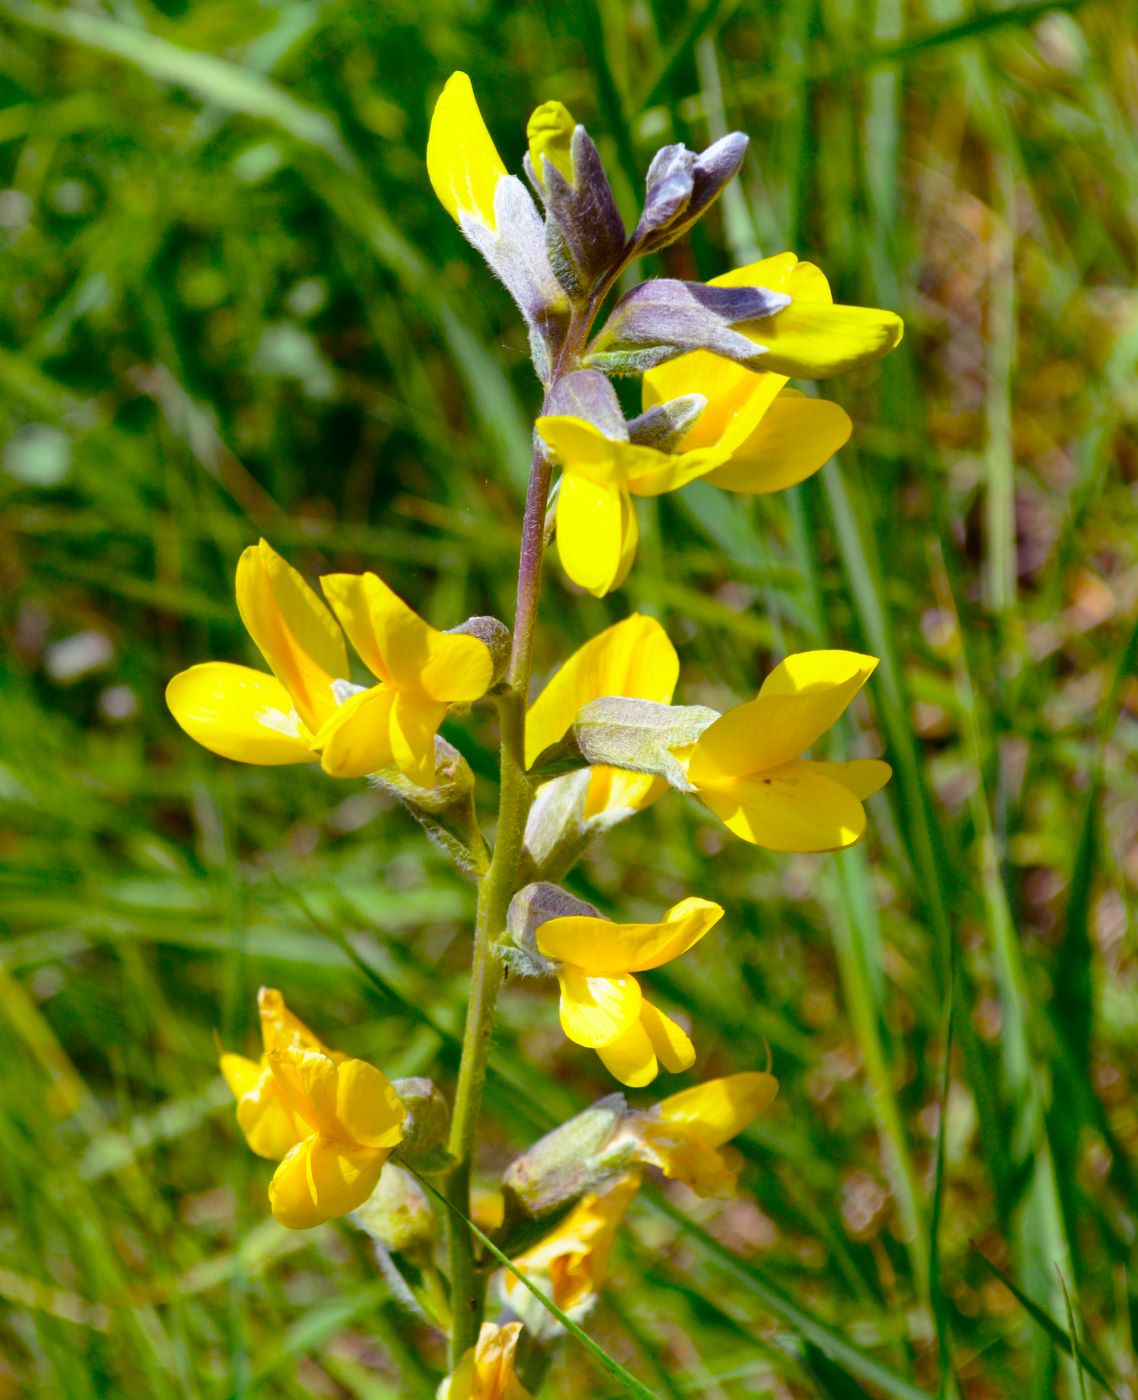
(746,766)
(270,1126)
(634,659)
(571,1262)
(422,672)
(549,132)
(682,1134)
(601,1003)
(353,1120)
(462,161)
(597,530)
(486,1371)
(307,711)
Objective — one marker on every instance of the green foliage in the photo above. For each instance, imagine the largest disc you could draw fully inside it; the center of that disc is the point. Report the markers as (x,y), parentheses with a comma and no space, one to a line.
(233,308)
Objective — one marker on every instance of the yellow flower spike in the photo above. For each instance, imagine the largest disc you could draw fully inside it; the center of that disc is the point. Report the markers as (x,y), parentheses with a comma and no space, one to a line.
(747,766)
(422,673)
(486,1371)
(353,1120)
(462,161)
(602,1007)
(270,1126)
(247,715)
(550,134)
(597,529)
(813,337)
(682,1134)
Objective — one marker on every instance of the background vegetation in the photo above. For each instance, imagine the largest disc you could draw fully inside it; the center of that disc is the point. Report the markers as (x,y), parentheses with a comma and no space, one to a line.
(232,306)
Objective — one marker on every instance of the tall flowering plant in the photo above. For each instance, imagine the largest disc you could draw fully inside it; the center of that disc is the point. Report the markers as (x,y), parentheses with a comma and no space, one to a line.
(602,741)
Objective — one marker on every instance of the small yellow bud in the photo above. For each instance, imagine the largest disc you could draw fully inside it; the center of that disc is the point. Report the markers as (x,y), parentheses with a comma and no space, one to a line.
(550,134)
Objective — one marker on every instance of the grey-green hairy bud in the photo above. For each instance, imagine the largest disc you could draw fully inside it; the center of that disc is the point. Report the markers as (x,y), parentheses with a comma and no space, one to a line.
(565,1164)
(398,1214)
(426,1125)
(640,736)
(445,811)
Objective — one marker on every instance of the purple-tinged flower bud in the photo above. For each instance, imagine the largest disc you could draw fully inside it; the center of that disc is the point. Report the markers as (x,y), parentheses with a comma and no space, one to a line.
(665,425)
(584,231)
(588,395)
(682,187)
(659,320)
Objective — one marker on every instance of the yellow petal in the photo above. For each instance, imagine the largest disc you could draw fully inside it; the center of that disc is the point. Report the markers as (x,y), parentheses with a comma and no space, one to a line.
(863,776)
(670,1041)
(597,532)
(794,438)
(368,1109)
(634,659)
(414,724)
(595,1010)
(307,1082)
(356,739)
(582,450)
(606,949)
(293,630)
(550,134)
(631,1057)
(399,647)
(798,702)
(737,398)
(719,1109)
(281,1027)
(781,273)
(790,808)
(238,713)
(240,1074)
(462,161)
(612,790)
(271,1128)
(321,1180)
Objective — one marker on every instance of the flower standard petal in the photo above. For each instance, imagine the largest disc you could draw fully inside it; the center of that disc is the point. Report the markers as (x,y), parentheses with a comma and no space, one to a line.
(462,161)
(239,713)
(401,648)
(293,631)
(790,808)
(608,949)
(597,531)
(596,1010)
(634,658)
(794,438)
(308,1082)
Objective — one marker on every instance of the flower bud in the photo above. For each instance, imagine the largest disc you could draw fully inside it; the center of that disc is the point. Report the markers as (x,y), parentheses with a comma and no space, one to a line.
(564,1164)
(398,1214)
(682,186)
(426,1125)
(497,638)
(550,135)
(588,395)
(445,811)
(640,736)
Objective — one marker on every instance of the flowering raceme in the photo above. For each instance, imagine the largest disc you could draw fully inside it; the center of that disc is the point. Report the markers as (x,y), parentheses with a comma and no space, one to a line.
(307,711)
(602,1006)
(746,767)
(333,1121)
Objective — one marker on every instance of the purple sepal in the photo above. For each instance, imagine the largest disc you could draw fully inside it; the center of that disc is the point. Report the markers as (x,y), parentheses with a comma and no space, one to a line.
(588,395)
(583,213)
(665,425)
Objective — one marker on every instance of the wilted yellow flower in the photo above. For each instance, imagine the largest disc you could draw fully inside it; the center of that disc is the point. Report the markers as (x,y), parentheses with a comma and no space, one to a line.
(486,1371)
(353,1120)
(422,673)
(333,1120)
(462,161)
(570,1264)
(269,1124)
(746,766)
(682,1134)
(602,1006)
(307,711)
(634,659)
(597,529)
(812,338)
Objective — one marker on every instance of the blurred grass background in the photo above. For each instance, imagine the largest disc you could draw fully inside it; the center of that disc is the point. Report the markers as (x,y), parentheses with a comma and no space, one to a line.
(232,307)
